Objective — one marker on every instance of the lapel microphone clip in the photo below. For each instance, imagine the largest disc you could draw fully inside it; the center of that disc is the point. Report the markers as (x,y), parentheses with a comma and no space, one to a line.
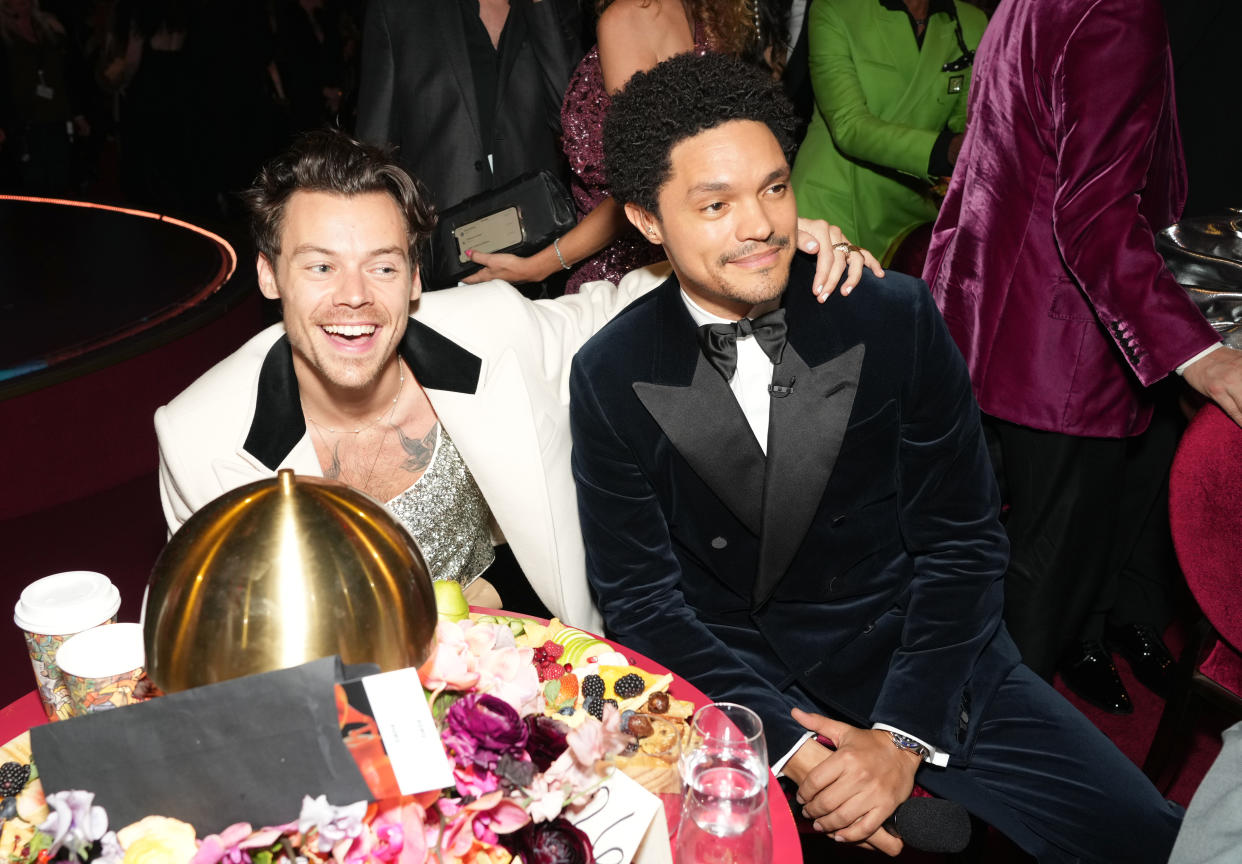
(780,391)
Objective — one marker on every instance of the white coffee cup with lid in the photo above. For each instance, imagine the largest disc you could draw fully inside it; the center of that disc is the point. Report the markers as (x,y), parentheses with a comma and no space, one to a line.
(51,610)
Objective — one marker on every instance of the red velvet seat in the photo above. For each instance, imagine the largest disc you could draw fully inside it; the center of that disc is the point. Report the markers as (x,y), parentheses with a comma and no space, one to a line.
(1205,515)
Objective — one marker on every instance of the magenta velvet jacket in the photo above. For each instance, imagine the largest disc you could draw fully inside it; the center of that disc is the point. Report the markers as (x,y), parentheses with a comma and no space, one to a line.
(1043,259)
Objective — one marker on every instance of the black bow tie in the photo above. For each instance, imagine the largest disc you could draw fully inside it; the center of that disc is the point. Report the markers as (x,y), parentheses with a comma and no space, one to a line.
(719,341)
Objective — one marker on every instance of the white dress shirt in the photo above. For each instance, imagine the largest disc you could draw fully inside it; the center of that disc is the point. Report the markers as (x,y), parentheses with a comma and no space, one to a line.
(750,384)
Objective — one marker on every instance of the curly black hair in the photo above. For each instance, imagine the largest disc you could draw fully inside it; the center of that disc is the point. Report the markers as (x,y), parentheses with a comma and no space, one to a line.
(676,100)
(327,160)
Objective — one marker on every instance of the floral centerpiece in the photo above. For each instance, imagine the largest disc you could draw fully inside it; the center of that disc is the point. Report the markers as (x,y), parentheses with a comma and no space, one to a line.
(526,745)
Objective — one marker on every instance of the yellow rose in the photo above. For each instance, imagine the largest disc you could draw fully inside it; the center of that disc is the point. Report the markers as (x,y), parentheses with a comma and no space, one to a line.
(158,840)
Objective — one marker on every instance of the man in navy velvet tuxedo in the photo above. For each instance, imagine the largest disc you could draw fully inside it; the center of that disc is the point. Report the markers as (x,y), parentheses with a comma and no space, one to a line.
(791,504)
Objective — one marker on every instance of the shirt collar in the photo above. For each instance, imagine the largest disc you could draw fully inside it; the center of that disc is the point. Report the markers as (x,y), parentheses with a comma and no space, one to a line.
(700,315)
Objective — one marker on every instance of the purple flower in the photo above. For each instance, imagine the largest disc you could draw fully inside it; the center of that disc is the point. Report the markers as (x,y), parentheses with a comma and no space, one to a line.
(74,821)
(555,842)
(492,724)
(545,740)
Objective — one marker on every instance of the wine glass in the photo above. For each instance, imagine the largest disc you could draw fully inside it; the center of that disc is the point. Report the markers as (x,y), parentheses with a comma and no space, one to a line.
(725,734)
(725,771)
(724,820)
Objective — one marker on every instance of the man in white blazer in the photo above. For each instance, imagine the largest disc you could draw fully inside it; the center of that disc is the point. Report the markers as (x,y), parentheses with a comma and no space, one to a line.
(337,225)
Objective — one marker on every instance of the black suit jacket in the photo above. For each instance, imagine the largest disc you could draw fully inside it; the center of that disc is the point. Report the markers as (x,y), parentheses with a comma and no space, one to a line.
(859,564)
(417,92)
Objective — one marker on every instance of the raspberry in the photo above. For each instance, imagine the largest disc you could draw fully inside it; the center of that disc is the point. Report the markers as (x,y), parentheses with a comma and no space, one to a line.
(13,777)
(594,706)
(629,686)
(569,688)
(550,670)
(593,685)
(552,650)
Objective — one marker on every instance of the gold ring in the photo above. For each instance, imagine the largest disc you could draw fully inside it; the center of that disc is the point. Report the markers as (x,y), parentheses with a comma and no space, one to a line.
(844,244)
(853,248)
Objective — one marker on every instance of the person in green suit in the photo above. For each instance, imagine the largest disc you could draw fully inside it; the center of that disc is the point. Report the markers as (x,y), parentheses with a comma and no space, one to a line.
(890,80)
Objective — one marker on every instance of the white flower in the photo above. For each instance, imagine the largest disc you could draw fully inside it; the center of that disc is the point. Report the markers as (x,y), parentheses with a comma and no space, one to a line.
(333,823)
(74,822)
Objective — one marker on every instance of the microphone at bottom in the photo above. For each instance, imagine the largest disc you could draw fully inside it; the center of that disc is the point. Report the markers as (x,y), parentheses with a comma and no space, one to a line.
(931,825)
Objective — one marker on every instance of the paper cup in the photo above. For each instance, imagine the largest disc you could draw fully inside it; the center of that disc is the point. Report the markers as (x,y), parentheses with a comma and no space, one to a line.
(49,612)
(101,667)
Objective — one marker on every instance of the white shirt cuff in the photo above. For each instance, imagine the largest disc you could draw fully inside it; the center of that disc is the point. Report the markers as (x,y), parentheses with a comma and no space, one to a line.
(936,757)
(1181,370)
(779,766)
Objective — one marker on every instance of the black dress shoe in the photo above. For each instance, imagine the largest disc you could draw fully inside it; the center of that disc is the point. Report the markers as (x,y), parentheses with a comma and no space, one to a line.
(1147,654)
(1090,673)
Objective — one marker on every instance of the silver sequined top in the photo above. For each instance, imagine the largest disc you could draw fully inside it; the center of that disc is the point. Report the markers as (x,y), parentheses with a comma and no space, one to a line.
(447,515)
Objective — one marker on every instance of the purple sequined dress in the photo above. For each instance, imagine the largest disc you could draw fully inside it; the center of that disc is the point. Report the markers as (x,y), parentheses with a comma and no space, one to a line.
(582,123)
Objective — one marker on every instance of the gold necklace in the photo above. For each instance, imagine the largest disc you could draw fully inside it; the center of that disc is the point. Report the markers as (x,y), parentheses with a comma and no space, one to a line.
(379,447)
(368,425)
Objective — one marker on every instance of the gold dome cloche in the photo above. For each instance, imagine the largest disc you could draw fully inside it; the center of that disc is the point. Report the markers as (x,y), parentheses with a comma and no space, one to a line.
(280,572)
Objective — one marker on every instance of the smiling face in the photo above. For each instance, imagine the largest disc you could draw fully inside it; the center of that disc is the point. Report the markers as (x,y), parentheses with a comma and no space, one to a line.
(727,217)
(345,282)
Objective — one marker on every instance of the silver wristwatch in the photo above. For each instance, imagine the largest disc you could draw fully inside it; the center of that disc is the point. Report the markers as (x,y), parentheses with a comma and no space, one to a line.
(904,742)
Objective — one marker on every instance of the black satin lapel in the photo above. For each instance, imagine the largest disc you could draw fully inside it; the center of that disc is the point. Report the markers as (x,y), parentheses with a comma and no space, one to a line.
(437,361)
(706,425)
(804,437)
(278,424)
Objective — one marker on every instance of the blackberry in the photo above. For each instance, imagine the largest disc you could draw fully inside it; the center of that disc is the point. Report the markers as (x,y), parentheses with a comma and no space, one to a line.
(612,702)
(594,706)
(593,685)
(629,686)
(13,777)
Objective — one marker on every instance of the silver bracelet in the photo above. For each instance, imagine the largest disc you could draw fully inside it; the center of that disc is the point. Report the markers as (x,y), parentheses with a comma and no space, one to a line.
(556,246)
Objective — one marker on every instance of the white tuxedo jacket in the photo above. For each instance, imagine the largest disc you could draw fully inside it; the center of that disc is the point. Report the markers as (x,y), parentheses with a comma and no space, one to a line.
(496,369)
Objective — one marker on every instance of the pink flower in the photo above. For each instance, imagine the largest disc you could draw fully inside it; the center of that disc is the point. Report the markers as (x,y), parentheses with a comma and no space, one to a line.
(471,780)
(547,799)
(591,742)
(452,665)
(400,830)
(508,674)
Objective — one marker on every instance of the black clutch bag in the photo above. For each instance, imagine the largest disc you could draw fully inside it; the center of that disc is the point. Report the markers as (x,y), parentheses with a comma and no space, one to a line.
(520,217)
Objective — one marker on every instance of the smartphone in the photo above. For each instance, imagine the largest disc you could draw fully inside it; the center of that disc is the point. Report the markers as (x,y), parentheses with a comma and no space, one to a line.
(499,230)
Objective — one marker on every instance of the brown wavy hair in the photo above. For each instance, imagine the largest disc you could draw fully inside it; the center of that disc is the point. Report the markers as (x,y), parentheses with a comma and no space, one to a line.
(728,25)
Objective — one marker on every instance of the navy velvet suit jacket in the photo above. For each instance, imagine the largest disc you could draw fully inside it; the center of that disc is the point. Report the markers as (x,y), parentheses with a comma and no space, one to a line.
(859,564)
